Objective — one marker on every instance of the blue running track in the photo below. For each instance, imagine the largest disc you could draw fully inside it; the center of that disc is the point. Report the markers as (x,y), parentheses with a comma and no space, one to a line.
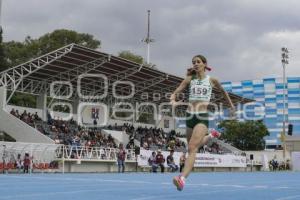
(146,186)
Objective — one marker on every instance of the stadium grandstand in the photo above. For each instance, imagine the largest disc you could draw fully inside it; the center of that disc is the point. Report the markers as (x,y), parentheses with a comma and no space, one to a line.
(91,84)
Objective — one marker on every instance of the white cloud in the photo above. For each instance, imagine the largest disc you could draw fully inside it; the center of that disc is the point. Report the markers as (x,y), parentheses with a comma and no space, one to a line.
(241,38)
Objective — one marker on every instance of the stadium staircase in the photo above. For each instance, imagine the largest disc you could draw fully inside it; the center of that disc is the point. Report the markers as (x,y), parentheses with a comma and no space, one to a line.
(227,148)
(119,136)
(21,131)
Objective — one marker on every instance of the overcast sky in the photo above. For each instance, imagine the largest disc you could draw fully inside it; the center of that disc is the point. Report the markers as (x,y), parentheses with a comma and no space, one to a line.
(241,39)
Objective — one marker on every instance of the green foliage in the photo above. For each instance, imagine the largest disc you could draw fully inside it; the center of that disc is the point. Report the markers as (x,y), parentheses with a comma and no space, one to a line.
(3,63)
(13,53)
(61,108)
(59,38)
(23,100)
(248,135)
(131,56)
(20,52)
(146,118)
(7,138)
(16,53)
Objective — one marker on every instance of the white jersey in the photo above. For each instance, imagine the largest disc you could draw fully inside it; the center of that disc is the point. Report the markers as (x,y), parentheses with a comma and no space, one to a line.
(200,90)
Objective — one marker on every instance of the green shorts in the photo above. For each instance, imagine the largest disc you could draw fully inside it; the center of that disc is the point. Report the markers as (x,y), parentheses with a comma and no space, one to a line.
(192,119)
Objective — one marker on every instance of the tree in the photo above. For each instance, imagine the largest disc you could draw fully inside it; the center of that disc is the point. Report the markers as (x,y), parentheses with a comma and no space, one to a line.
(23,100)
(3,63)
(20,52)
(146,118)
(5,137)
(16,53)
(135,58)
(62,37)
(131,56)
(248,135)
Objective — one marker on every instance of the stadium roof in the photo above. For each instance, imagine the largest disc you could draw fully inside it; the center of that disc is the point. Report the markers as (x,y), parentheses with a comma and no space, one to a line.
(69,65)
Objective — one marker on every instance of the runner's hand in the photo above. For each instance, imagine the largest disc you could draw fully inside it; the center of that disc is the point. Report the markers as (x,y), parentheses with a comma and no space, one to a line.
(175,103)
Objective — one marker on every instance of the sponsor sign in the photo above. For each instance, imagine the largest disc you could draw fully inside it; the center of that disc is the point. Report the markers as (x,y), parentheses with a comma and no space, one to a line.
(202,160)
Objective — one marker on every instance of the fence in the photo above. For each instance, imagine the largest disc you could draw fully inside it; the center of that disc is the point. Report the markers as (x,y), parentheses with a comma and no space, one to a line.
(53,157)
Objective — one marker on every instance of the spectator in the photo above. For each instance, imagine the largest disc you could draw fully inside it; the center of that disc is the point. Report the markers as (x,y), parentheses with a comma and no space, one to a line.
(50,121)
(26,162)
(13,112)
(95,123)
(130,144)
(4,156)
(287,167)
(24,116)
(102,154)
(171,163)
(36,117)
(19,163)
(121,158)
(152,162)
(274,164)
(72,121)
(160,160)
(171,145)
(182,161)
(17,114)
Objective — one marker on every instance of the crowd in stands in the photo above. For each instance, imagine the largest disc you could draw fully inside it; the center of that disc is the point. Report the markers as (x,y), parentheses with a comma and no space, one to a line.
(26,117)
(213,148)
(152,138)
(275,165)
(66,132)
(69,133)
(79,136)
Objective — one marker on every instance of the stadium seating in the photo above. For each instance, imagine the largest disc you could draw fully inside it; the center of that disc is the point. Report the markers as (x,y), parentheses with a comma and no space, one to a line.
(151,138)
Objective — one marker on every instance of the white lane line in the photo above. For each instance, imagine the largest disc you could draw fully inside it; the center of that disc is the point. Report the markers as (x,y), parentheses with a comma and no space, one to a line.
(87,179)
(289,197)
(144,182)
(260,186)
(148,182)
(228,185)
(176,194)
(281,187)
(73,191)
(46,194)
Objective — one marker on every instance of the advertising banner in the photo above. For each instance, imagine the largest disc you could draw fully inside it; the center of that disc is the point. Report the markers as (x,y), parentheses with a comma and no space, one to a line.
(296,161)
(202,160)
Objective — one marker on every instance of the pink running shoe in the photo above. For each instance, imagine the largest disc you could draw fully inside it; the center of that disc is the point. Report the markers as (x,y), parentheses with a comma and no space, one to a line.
(214,133)
(178,182)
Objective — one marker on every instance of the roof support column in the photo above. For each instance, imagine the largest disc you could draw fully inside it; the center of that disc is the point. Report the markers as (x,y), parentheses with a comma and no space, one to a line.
(75,105)
(41,103)
(109,109)
(3,94)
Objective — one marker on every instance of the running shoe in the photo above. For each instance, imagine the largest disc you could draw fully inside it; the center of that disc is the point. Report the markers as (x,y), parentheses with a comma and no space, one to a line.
(178,182)
(214,133)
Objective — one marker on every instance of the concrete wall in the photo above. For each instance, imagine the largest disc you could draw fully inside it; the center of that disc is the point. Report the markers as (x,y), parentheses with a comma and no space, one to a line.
(270,154)
(111,166)
(95,166)
(21,131)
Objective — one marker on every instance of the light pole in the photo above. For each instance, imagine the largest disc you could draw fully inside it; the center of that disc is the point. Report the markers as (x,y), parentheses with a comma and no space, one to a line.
(284,61)
(148,40)
(0,15)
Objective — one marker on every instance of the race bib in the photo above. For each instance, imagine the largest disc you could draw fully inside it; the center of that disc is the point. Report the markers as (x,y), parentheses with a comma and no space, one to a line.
(198,90)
